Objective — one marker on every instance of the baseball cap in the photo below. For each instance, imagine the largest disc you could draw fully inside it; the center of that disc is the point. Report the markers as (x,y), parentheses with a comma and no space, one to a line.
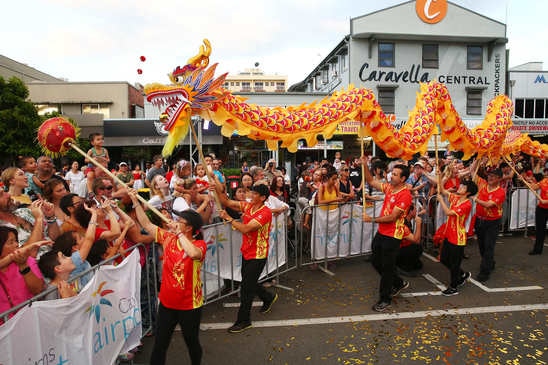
(419,163)
(122,164)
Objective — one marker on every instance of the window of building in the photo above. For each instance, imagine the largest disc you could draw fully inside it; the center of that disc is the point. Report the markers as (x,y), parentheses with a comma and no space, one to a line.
(96,109)
(231,83)
(474,58)
(386,55)
(280,86)
(237,83)
(430,56)
(44,109)
(246,86)
(473,102)
(387,99)
(259,86)
(531,108)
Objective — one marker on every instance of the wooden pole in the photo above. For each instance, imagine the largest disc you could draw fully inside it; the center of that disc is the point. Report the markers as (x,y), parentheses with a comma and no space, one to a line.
(438,171)
(115,178)
(363,172)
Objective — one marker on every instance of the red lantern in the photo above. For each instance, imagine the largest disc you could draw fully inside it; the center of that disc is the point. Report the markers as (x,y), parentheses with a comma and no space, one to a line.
(139,71)
(143,58)
(56,135)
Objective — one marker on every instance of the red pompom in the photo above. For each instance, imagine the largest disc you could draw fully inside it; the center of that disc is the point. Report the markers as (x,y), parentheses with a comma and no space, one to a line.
(55,135)
(139,71)
(143,58)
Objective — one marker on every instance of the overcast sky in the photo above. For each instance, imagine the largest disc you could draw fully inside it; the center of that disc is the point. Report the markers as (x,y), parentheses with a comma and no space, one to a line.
(102,40)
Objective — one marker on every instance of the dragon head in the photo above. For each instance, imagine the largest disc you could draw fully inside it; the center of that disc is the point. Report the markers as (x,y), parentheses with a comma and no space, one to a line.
(193,88)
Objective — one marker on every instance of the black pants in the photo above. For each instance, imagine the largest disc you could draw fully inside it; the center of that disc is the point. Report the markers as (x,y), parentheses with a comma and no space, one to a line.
(385,250)
(451,257)
(409,257)
(541,215)
(189,320)
(487,231)
(251,270)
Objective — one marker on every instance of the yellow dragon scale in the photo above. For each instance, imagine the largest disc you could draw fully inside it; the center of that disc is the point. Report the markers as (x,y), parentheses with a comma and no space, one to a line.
(194,88)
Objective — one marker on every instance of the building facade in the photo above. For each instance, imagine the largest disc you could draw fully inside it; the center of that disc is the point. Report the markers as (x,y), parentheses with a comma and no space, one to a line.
(256,81)
(392,50)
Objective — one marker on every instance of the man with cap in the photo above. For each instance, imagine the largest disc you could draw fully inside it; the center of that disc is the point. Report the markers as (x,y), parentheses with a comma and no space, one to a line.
(489,202)
(255,229)
(418,182)
(125,175)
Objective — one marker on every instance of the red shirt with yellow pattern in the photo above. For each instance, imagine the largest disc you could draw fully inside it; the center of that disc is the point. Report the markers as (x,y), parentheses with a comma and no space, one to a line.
(497,195)
(400,199)
(456,224)
(255,244)
(181,287)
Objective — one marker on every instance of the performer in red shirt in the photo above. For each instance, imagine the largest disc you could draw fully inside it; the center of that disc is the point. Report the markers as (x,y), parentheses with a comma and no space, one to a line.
(391,230)
(541,214)
(452,250)
(181,296)
(488,217)
(255,228)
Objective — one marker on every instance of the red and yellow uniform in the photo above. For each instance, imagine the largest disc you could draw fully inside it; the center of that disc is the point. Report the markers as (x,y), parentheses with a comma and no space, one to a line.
(400,199)
(181,287)
(543,184)
(497,195)
(456,224)
(255,244)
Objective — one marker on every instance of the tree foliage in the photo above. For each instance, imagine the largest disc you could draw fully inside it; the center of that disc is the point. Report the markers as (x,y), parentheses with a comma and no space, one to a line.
(19,121)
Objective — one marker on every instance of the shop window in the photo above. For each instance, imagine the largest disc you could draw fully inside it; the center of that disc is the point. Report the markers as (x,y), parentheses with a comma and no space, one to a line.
(246,86)
(519,106)
(474,58)
(430,56)
(539,108)
(473,102)
(387,99)
(96,109)
(386,55)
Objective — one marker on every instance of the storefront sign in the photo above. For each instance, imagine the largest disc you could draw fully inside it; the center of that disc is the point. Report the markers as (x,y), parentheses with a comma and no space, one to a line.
(322,145)
(530,126)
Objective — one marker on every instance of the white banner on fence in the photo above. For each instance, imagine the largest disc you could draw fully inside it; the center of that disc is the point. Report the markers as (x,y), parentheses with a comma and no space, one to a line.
(523,206)
(341,232)
(93,327)
(225,259)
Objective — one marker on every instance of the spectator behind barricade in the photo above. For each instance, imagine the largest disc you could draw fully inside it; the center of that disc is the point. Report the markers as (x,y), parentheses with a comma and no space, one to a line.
(246,182)
(287,179)
(355,176)
(53,191)
(200,175)
(107,225)
(45,171)
(68,205)
(33,223)
(451,177)
(278,190)
(74,177)
(337,161)
(156,169)
(244,167)
(20,278)
(216,167)
(418,183)
(97,149)
(159,192)
(329,191)
(104,186)
(183,171)
(28,165)
(125,175)
(138,177)
(378,169)
(408,261)
(239,195)
(199,203)
(75,247)
(258,174)
(16,182)
(270,171)
(346,189)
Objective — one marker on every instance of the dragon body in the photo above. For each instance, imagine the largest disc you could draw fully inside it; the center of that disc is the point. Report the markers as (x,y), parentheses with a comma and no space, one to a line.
(194,90)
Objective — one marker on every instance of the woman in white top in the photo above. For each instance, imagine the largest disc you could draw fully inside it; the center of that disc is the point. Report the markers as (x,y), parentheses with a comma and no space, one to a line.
(74,177)
(159,191)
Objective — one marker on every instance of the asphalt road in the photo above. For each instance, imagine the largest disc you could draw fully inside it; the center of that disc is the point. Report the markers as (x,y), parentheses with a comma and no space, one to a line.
(328,319)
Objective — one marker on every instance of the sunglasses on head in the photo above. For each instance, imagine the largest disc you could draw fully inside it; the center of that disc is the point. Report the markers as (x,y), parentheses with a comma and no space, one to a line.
(107,187)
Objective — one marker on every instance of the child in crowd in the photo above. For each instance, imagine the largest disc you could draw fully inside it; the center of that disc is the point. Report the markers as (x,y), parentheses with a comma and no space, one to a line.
(201,178)
(28,164)
(69,253)
(97,150)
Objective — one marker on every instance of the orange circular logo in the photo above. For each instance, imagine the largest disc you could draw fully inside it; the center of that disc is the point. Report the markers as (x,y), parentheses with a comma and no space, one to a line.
(431,11)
